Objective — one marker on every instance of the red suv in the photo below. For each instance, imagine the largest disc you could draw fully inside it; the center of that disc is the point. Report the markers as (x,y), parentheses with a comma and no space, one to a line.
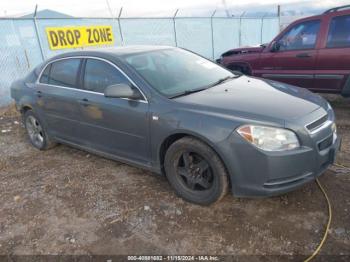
(313,52)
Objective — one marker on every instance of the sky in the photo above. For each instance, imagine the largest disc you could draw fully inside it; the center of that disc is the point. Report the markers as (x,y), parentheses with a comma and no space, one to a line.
(134,8)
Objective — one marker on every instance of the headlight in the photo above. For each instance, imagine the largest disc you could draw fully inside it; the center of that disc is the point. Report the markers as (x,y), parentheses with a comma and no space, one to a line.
(269,138)
(329,107)
(334,128)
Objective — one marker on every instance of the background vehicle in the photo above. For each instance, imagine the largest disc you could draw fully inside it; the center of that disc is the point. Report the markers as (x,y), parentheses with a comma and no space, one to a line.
(313,53)
(175,113)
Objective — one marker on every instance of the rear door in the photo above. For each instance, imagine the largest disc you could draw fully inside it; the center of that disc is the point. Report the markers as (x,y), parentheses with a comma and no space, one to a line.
(294,60)
(58,94)
(113,125)
(333,61)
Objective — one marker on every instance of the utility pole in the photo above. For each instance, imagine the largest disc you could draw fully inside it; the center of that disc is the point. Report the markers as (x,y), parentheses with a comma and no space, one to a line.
(262,29)
(174,26)
(240,29)
(228,14)
(212,34)
(279,17)
(110,9)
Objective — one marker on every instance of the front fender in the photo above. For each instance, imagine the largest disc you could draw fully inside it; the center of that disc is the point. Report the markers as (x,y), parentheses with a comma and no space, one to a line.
(210,129)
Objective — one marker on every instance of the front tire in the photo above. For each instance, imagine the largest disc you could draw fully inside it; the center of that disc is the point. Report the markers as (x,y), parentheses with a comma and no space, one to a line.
(36,132)
(195,171)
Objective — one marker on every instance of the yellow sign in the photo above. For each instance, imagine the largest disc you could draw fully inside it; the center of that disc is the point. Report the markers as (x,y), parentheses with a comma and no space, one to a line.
(79,36)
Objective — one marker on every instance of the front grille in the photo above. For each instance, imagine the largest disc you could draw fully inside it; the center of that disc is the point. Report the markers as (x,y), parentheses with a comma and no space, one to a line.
(325,143)
(316,124)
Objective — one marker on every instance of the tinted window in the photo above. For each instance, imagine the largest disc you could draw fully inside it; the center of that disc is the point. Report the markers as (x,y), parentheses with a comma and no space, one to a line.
(174,71)
(301,36)
(100,74)
(339,32)
(64,72)
(45,75)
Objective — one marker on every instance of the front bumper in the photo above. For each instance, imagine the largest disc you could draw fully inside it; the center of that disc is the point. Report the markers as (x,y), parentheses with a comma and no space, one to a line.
(257,173)
(289,184)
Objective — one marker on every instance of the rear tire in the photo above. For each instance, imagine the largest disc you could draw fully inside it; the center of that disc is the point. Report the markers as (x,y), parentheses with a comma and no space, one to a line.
(36,132)
(195,171)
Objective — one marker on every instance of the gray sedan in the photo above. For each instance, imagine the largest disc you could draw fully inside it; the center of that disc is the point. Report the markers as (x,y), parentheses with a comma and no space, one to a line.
(176,113)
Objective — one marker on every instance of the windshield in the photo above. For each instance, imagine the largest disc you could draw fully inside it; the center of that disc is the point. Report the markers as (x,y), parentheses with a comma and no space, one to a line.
(176,71)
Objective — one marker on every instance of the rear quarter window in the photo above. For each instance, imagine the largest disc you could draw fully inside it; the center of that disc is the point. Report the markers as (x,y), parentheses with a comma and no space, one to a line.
(33,75)
(65,72)
(62,73)
(44,79)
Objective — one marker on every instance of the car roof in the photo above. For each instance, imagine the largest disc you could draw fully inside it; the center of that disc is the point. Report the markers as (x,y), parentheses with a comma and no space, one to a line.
(328,13)
(114,51)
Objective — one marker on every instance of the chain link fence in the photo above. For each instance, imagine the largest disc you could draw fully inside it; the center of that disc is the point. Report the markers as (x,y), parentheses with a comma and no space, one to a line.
(24,45)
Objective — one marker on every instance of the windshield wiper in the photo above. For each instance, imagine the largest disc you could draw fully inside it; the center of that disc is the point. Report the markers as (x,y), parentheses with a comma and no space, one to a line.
(222,80)
(191,91)
(187,92)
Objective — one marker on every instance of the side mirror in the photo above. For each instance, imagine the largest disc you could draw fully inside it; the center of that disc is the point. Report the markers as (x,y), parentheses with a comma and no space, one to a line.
(275,46)
(122,91)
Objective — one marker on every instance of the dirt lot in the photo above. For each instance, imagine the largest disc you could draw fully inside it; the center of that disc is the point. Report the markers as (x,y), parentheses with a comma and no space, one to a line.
(66,201)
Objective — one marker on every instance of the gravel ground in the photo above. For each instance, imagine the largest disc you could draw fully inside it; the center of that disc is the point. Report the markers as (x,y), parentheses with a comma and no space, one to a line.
(66,201)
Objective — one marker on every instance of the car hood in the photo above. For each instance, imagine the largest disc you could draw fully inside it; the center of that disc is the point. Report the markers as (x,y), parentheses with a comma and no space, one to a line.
(256,99)
(245,50)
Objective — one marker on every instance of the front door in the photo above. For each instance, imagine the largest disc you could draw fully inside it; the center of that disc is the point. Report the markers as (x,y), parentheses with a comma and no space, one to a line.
(113,125)
(294,57)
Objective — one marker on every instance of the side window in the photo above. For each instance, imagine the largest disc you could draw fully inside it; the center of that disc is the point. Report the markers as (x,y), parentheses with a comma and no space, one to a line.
(65,72)
(99,74)
(301,36)
(45,75)
(339,32)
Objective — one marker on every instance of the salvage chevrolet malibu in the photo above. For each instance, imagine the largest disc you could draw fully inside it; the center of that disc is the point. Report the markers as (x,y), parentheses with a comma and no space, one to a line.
(175,113)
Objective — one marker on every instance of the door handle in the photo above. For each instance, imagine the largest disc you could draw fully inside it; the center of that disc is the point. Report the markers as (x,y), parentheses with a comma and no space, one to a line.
(303,55)
(39,94)
(84,102)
